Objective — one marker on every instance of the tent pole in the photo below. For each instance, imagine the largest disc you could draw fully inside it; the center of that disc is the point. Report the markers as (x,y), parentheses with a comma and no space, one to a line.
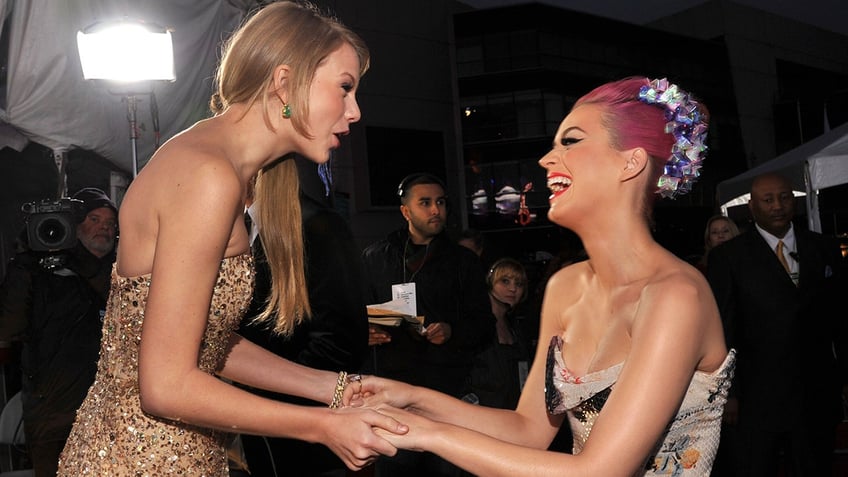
(813,219)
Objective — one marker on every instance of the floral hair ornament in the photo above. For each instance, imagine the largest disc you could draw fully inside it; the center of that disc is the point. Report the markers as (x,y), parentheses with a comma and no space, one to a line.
(690,135)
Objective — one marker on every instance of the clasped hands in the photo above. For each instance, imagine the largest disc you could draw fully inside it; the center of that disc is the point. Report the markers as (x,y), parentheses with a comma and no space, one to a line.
(395,400)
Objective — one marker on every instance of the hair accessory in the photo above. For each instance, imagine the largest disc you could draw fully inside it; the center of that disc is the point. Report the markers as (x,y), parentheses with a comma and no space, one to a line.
(286,111)
(690,135)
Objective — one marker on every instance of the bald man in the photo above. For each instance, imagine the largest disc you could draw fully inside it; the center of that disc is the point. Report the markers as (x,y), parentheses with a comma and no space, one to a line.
(777,286)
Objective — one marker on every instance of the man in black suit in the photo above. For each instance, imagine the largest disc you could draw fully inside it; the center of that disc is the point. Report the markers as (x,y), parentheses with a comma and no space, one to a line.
(335,337)
(784,320)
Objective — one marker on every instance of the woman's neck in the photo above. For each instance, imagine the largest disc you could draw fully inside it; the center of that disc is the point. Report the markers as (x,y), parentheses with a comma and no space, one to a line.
(499,308)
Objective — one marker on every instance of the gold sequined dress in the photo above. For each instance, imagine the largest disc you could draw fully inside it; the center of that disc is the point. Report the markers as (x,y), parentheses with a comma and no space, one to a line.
(112,436)
(688,447)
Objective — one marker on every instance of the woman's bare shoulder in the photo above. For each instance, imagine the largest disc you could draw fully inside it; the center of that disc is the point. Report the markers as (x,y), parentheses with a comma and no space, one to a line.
(198,144)
(574,271)
(675,272)
(678,306)
(567,283)
(677,294)
(672,278)
(191,163)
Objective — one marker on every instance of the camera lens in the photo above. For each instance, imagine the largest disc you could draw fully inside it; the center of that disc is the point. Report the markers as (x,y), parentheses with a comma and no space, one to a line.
(51,232)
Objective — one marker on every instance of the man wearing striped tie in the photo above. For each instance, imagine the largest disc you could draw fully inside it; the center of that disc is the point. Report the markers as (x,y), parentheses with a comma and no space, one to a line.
(777,287)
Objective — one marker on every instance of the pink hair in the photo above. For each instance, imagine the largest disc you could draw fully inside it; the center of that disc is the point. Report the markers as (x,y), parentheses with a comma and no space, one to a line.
(633,123)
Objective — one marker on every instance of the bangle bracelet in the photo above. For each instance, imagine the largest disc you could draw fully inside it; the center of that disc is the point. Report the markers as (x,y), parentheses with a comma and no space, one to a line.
(341,382)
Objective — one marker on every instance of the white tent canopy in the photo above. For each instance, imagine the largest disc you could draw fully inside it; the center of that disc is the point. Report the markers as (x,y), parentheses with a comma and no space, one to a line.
(812,166)
(50,103)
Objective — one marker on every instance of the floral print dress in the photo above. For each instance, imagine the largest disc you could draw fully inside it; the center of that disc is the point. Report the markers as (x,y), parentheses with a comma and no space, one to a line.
(687,448)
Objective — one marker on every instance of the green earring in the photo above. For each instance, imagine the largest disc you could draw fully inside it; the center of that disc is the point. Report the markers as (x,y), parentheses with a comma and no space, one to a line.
(286,112)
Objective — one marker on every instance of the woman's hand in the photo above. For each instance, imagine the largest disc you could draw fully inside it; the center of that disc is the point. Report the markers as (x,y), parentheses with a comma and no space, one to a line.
(420,429)
(372,391)
(351,433)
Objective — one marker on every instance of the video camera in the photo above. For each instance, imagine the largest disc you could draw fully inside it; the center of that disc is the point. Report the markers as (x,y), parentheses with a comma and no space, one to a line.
(51,225)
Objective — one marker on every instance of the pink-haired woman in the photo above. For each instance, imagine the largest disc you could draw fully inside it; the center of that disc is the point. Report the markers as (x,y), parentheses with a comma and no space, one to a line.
(637,361)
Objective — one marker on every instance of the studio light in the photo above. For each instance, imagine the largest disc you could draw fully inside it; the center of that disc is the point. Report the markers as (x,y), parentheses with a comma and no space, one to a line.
(126,52)
(128,56)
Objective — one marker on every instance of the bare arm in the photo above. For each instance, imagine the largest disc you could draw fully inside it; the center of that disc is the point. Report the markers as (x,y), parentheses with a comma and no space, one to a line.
(191,241)
(667,346)
(481,454)
(529,425)
(250,364)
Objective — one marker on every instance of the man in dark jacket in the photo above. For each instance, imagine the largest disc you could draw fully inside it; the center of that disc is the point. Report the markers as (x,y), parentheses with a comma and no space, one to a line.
(778,289)
(334,337)
(450,293)
(54,303)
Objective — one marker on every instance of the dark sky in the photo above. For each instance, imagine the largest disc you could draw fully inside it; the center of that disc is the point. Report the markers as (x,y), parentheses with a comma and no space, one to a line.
(830,15)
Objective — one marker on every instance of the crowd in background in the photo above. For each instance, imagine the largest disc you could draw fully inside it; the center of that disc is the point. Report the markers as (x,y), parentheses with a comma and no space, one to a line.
(276,331)
(515,282)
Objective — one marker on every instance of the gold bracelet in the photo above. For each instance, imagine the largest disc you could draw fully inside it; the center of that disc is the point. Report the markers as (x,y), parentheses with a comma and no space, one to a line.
(340,387)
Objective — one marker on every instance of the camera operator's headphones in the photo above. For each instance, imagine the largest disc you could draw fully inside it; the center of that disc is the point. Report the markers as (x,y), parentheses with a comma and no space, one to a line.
(417,178)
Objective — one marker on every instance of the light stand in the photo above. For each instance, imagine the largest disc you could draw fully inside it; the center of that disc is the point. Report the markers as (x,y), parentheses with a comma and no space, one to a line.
(132,106)
(126,54)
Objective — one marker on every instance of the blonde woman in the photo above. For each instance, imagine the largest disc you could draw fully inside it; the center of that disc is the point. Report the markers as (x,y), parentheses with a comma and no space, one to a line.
(500,370)
(184,274)
(719,229)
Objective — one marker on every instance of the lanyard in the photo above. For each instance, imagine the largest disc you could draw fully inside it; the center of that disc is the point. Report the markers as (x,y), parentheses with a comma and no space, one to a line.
(416,264)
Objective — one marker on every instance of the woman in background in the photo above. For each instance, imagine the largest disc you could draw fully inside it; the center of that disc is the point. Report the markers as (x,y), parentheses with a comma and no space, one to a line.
(719,229)
(500,370)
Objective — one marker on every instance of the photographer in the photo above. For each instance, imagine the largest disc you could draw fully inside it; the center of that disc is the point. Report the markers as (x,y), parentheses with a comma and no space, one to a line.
(53,300)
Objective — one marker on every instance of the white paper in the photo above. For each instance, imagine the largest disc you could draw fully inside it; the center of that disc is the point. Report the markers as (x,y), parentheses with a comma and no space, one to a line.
(403,295)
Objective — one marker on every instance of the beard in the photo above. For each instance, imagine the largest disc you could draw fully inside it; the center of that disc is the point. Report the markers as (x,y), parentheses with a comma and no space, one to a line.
(427,229)
(98,245)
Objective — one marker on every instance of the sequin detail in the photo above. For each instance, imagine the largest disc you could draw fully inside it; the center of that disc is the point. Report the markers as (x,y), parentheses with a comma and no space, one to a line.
(688,447)
(112,436)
